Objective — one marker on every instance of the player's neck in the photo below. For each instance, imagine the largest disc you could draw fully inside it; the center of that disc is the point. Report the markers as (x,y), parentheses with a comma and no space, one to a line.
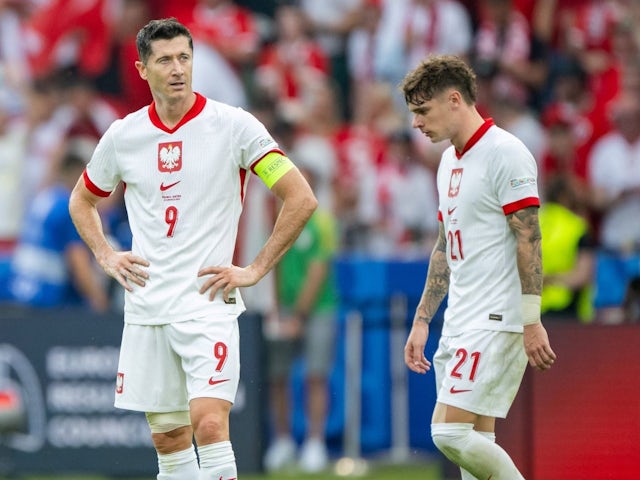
(469,125)
(171,111)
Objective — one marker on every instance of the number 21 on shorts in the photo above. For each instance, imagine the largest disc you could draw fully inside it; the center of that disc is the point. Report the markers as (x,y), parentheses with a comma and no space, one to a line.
(467,365)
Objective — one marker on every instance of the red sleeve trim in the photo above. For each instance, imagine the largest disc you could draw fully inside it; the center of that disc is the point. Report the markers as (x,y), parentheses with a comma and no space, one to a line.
(440,219)
(520,204)
(253,165)
(92,186)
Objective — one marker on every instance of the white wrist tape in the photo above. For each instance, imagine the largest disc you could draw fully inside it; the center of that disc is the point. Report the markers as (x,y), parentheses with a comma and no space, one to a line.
(530,309)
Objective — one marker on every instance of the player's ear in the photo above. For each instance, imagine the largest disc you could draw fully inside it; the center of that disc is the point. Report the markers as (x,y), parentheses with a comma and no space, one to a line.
(455,98)
(142,69)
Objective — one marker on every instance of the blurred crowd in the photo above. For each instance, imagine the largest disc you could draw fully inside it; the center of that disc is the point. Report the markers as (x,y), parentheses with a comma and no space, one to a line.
(562,75)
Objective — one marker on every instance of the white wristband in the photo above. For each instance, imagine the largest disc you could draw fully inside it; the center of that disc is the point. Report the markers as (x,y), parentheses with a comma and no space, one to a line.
(530,309)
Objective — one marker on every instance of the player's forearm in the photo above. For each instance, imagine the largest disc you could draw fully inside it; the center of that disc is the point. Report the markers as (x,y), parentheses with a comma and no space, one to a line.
(530,269)
(294,214)
(524,224)
(436,286)
(87,221)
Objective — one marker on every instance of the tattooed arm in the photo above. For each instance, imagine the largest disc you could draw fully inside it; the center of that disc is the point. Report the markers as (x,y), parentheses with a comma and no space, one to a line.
(435,289)
(526,228)
(437,284)
(524,225)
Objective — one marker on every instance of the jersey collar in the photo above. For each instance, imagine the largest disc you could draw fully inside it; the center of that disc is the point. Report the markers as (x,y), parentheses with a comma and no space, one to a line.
(193,112)
(488,123)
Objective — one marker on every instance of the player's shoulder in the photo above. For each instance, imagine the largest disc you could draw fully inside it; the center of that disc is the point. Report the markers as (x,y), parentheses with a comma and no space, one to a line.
(228,116)
(501,136)
(136,115)
(132,120)
(505,142)
(215,107)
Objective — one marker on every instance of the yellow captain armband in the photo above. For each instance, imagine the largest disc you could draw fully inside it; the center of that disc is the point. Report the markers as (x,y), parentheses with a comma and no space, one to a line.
(272,167)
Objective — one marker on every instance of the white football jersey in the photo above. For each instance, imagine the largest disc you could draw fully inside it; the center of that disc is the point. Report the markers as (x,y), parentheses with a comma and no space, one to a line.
(184,189)
(494,176)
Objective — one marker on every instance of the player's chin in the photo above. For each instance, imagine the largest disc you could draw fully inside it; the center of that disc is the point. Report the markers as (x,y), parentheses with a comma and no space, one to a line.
(435,138)
(178,91)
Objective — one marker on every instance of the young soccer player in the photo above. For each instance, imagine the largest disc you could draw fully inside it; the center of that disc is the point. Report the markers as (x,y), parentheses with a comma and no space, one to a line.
(487,258)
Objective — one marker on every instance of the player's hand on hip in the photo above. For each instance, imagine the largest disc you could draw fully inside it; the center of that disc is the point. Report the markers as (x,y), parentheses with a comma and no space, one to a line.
(414,356)
(537,347)
(125,267)
(226,278)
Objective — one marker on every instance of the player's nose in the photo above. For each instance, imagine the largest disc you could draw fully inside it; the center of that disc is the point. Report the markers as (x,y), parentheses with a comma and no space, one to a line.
(178,68)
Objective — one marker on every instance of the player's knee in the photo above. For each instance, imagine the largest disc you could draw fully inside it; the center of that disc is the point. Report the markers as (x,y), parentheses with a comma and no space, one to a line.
(170,431)
(212,428)
(451,438)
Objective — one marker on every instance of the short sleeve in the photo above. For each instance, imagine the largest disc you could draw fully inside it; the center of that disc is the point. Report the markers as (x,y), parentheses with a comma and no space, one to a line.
(516,178)
(252,138)
(102,175)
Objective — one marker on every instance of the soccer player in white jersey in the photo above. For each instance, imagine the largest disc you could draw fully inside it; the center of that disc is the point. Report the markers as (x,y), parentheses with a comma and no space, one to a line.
(487,258)
(184,161)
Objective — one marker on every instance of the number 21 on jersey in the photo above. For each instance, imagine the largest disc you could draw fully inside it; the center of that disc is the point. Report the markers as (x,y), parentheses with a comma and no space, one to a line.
(454,239)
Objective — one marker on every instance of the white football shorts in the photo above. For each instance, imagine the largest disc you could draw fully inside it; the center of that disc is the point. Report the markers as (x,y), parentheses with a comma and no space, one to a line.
(163,367)
(480,371)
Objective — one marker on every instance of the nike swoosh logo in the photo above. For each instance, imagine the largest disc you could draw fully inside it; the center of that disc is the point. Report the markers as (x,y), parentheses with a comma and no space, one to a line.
(451,210)
(216,382)
(164,187)
(454,390)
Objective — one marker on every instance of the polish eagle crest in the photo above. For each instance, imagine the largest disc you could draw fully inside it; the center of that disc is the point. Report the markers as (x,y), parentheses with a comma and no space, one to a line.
(170,156)
(454,182)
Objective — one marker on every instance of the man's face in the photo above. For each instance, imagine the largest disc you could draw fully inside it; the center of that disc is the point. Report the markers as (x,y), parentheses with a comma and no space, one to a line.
(433,117)
(625,115)
(168,69)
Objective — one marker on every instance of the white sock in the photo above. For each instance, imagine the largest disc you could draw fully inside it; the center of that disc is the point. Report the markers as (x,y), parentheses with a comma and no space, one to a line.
(181,465)
(217,461)
(491,436)
(474,452)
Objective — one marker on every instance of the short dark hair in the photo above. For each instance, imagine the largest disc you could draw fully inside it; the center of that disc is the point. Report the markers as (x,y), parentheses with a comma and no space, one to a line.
(162,29)
(435,75)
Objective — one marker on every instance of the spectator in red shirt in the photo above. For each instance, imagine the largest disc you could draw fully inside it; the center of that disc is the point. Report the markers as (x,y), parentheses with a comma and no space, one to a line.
(574,105)
(80,37)
(292,61)
(587,32)
(225,40)
(503,51)
(121,82)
